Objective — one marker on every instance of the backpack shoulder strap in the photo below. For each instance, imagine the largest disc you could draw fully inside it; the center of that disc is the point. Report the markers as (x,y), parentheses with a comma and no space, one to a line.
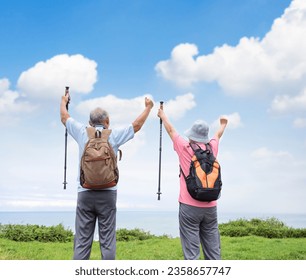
(194,149)
(91,132)
(181,172)
(208,147)
(105,134)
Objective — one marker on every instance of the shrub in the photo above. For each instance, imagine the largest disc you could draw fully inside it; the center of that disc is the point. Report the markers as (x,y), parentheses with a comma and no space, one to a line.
(133,234)
(36,233)
(270,228)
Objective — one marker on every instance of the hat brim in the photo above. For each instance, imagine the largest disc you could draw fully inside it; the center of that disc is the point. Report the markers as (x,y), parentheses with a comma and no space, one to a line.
(190,136)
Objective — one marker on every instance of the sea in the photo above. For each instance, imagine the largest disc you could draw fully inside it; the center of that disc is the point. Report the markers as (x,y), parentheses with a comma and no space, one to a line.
(155,222)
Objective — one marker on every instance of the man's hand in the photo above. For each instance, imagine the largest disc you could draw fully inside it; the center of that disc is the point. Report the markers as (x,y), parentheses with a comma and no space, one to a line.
(223,120)
(63,109)
(65,98)
(140,120)
(149,103)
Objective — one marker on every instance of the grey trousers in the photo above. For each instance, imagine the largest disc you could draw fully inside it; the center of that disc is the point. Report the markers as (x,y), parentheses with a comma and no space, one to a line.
(199,226)
(92,206)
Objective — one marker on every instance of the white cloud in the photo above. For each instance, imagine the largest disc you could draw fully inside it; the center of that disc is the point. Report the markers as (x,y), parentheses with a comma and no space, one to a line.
(11,103)
(299,123)
(273,64)
(47,79)
(234,121)
(181,68)
(38,204)
(124,111)
(236,69)
(264,153)
(288,104)
(270,175)
(121,111)
(176,108)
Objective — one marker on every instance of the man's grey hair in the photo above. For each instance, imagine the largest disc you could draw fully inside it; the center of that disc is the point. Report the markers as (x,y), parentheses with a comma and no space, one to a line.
(98,116)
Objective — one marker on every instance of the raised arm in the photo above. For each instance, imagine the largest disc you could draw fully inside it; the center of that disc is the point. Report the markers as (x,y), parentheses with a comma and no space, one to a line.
(168,126)
(63,109)
(140,120)
(223,124)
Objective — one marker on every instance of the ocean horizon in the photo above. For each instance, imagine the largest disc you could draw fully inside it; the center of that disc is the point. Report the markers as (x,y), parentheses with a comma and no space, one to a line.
(155,222)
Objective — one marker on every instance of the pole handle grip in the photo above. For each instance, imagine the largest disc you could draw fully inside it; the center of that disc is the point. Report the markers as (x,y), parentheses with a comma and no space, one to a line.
(161,105)
(67,93)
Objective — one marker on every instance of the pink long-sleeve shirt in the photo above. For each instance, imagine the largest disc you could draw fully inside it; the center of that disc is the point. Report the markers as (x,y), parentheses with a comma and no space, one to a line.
(185,153)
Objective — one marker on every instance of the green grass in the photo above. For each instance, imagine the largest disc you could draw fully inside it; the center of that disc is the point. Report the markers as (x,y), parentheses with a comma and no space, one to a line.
(34,250)
(240,240)
(233,248)
(261,248)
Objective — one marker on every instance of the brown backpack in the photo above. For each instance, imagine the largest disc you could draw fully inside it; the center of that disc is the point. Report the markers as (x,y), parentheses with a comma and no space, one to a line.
(98,163)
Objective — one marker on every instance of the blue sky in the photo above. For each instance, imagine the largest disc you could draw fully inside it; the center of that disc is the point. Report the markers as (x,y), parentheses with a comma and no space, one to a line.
(243,59)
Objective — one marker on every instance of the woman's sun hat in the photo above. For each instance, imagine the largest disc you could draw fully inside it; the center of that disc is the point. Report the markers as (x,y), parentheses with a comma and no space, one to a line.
(198,132)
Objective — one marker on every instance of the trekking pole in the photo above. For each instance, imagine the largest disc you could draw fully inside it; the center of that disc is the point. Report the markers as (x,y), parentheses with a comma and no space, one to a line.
(160,149)
(66,135)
